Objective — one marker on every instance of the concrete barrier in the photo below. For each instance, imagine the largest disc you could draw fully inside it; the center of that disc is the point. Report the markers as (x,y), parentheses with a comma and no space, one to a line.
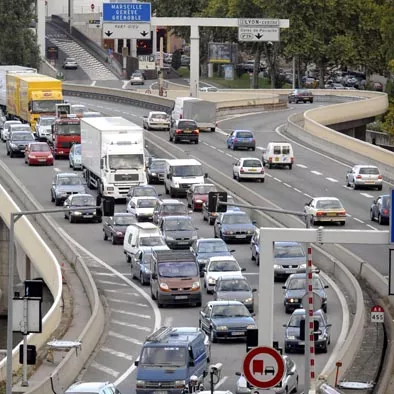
(46,265)
(67,371)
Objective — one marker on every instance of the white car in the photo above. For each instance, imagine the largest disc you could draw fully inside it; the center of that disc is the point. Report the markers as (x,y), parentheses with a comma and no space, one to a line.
(364,176)
(142,207)
(5,131)
(137,79)
(43,127)
(220,266)
(92,388)
(248,168)
(156,121)
(208,89)
(325,210)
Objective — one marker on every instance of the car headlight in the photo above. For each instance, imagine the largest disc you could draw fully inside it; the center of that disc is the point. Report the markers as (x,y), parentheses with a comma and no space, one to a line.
(154,174)
(251,326)
(292,300)
(119,233)
(179,384)
(199,201)
(76,213)
(322,337)
(176,184)
(194,237)
(140,383)
(196,285)
(291,338)
(248,300)
(50,157)
(13,145)
(61,193)
(276,266)
(168,238)
(164,286)
(32,157)
(110,189)
(249,231)
(203,261)
(221,328)
(211,280)
(227,232)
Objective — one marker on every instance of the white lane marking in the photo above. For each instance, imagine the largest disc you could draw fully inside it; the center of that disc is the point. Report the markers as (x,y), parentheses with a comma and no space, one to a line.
(220,131)
(116,353)
(260,148)
(130,313)
(220,382)
(269,175)
(297,190)
(358,220)
(93,83)
(103,274)
(228,154)
(130,325)
(347,187)
(123,292)
(107,282)
(332,180)
(316,172)
(301,166)
(287,185)
(250,273)
(127,302)
(103,368)
(124,338)
(213,147)
(278,180)
(366,195)
(219,150)
(307,195)
(349,216)
(372,227)
(56,169)
(125,84)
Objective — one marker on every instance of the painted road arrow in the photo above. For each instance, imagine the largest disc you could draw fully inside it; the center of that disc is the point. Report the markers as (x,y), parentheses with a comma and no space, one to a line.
(108,33)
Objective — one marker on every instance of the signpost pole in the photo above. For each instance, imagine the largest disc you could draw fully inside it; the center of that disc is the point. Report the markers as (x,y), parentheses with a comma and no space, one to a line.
(25,382)
(194,60)
(293,79)
(391,218)
(161,66)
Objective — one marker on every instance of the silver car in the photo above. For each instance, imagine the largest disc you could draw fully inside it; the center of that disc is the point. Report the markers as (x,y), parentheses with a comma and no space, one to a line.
(43,127)
(70,63)
(364,176)
(289,258)
(178,231)
(75,157)
(235,288)
(137,79)
(65,184)
(92,388)
(5,131)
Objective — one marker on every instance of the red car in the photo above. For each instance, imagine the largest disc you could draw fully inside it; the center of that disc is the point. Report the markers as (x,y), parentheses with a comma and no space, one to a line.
(198,194)
(38,153)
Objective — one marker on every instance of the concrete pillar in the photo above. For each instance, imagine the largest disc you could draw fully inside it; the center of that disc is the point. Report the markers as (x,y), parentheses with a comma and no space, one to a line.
(4,239)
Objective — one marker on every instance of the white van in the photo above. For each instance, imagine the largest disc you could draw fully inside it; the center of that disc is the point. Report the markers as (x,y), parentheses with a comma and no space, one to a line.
(180,174)
(134,238)
(278,154)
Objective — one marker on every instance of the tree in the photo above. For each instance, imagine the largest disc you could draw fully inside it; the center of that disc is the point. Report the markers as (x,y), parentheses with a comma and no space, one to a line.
(18,43)
(176,61)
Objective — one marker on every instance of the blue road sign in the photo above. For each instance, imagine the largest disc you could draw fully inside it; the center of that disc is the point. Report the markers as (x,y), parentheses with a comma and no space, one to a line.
(391,217)
(126,12)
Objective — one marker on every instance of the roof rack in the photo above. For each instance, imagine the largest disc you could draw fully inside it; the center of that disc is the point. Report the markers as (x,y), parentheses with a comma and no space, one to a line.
(159,334)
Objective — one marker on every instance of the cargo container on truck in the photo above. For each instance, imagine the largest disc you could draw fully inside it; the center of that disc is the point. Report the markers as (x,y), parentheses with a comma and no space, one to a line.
(66,131)
(113,155)
(4,71)
(30,96)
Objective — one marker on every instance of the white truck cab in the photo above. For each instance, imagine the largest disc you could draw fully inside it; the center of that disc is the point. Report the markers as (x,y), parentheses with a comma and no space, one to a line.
(279,154)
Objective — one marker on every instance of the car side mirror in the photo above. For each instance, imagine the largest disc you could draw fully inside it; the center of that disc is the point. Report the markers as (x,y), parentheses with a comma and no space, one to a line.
(191,363)
(254,290)
(329,325)
(375,201)
(326,286)
(253,314)
(254,222)
(136,362)
(190,211)
(238,374)
(204,269)
(232,250)
(284,325)
(203,314)
(195,228)
(217,221)
(169,176)
(290,373)
(145,116)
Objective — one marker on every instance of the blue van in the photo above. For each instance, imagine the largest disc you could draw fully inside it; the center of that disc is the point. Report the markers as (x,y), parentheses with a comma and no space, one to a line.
(169,357)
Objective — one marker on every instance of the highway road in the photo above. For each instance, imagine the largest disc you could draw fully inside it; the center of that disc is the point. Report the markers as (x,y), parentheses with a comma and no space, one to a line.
(131,314)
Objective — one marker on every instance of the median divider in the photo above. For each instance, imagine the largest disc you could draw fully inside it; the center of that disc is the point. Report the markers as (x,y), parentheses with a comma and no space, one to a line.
(69,368)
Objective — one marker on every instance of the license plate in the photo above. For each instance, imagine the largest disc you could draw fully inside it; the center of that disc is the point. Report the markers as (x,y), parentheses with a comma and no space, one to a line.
(183,242)
(276,158)
(160,392)
(87,216)
(238,334)
(370,182)
(290,270)
(187,131)
(240,236)
(331,214)
(252,169)
(42,159)
(183,297)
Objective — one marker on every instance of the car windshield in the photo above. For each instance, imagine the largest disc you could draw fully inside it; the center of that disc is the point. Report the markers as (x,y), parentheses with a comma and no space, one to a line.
(288,251)
(386,202)
(187,171)
(212,247)
(20,127)
(187,125)
(136,76)
(172,356)
(74,180)
(236,219)
(77,150)
(154,240)
(40,148)
(82,201)
(184,269)
(158,164)
(178,225)
(233,285)
(151,203)
(68,129)
(366,170)
(328,204)
(300,284)
(46,122)
(123,220)
(42,106)
(204,189)
(295,320)
(22,137)
(244,134)
(223,266)
(230,311)
(144,192)
(70,59)
(251,163)
(159,117)
(176,209)
(121,162)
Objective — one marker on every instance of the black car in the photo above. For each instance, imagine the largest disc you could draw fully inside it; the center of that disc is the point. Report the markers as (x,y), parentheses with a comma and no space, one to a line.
(141,191)
(114,227)
(380,209)
(18,142)
(155,171)
(78,201)
(300,96)
(184,130)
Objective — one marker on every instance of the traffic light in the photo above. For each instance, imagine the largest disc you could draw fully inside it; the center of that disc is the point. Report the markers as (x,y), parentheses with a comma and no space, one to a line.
(33,288)
(108,206)
(315,330)
(31,354)
(252,338)
(213,201)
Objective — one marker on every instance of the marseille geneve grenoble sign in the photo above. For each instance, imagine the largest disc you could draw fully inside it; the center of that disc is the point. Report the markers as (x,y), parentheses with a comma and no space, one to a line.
(126,12)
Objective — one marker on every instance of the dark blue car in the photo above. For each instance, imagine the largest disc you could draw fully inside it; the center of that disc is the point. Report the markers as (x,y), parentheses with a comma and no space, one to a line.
(380,209)
(234,226)
(241,139)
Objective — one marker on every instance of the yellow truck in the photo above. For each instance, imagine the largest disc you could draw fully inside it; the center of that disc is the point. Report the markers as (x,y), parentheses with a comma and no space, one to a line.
(30,96)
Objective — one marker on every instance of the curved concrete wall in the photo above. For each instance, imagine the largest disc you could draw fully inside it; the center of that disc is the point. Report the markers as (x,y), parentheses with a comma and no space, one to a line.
(45,263)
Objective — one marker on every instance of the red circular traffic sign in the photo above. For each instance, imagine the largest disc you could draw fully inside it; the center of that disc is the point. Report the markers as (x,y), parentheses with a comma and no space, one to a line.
(263,367)
(377,308)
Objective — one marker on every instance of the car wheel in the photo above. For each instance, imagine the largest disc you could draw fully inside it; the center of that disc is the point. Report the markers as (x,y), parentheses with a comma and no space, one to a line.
(287,310)
(380,220)
(149,180)
(170,138)
(52,198)
(290,166)
(211,222)
(128,258)
(143,283)
(253,149)
(324,350)
(71,219)
(371,215)
(57,202)
(69,164)
(172,193)
(113,240)
(262,180)
(253,258)
(175,140)
(347,182)
(258,259)
(151,294)
(355,186)
(196,142)
(105,236)
(212,336)
(380,187)
(342,223)
(11,153)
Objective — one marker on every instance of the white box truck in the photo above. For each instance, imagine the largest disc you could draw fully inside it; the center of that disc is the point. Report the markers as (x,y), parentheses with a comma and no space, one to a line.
(4,70)
(113,155)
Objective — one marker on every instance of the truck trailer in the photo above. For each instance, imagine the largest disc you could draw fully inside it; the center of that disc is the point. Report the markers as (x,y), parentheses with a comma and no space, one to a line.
(113,156)
(30,96)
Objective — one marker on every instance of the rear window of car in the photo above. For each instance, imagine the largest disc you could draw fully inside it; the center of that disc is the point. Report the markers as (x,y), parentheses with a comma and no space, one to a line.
(244,134)
(187,125)
(277,150)
(369,171)
(251,163)
(305,93)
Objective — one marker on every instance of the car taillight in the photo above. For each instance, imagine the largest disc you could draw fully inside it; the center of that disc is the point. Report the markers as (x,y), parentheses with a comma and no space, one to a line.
(358,177)
(178,131)
(270,159)
(253,140)
(292,159)
(241,170)
(385,211)
(341,213)
(196,131)
(380,177)
(319,213)
(180,116)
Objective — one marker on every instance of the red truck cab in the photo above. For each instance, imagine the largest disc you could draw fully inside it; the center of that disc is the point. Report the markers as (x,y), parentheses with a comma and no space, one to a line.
(66,131)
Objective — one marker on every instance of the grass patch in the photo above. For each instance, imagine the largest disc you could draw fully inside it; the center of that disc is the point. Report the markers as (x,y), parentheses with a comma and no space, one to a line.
(184,72)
